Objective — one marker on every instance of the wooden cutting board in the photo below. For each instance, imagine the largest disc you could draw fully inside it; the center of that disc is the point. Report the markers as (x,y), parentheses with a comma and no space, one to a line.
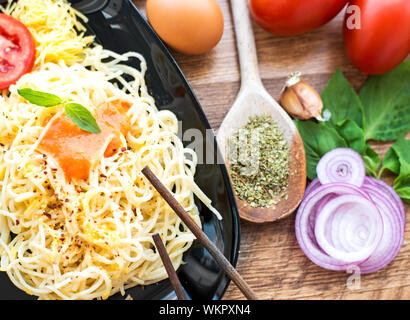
(270,259)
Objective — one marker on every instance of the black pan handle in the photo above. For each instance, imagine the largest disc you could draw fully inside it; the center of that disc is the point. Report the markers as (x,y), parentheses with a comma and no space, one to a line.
(89,6)
(113,22)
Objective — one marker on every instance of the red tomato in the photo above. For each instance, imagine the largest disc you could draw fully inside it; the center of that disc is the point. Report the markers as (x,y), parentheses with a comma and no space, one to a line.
(291,17)
(383,40)
(17,50)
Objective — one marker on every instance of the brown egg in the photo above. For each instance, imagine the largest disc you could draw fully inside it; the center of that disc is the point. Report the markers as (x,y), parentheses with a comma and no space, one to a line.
(188,26)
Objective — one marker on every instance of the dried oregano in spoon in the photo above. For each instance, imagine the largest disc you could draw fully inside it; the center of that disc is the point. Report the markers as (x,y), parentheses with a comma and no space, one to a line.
(259,162)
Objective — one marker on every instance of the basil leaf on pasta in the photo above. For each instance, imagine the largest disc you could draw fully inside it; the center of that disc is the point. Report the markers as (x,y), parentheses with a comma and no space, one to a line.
(82,117)
(42,99)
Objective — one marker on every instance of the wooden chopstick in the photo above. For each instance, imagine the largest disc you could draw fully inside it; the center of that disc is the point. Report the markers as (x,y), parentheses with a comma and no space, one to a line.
(200,235)
(173,277)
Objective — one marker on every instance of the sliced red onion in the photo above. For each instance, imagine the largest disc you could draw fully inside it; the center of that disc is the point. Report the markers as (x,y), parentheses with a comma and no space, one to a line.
(347,219)
(312,186)
(349,228)
(305,222)
(341,165)
(393,230)
(339,225)
(388,190)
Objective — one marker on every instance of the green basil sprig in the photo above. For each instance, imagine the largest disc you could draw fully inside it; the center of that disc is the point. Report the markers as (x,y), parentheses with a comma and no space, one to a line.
(397,160)
(82,117)
(75,111)
(386,101)
(381,111)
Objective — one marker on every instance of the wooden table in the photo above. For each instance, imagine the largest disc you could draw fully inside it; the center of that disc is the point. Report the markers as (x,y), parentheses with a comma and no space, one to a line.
(270,259)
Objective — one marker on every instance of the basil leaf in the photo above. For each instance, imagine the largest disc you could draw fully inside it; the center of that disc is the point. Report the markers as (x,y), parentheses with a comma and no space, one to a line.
(402,149)
(318,139)
(386,102)
(404,193)
(371,160)
(397,158)
(42,99)
(353,135)
(340,99)
(390,162)
(402,187)
(82,117)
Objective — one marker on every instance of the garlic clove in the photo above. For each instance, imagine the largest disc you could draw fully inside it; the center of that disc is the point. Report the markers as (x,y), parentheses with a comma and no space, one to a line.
(301,100)
(291,103)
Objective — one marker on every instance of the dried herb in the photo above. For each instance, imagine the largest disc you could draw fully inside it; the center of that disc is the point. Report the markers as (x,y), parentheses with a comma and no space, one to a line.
(259,162)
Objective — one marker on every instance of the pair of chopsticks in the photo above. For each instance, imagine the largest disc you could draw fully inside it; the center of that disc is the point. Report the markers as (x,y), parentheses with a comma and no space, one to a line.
(225,265)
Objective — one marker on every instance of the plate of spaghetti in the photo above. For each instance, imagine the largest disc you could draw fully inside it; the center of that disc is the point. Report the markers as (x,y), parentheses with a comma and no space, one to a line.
(104,99)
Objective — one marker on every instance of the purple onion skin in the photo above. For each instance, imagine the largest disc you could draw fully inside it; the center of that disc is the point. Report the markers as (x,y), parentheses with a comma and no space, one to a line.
(306,239)
(388,189)
(382,195)
(393,215)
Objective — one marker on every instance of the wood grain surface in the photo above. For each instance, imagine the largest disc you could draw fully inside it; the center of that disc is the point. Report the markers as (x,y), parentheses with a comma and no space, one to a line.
(270,259)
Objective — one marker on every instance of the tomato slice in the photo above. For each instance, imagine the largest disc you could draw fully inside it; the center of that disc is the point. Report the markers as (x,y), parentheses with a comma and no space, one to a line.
(17,51)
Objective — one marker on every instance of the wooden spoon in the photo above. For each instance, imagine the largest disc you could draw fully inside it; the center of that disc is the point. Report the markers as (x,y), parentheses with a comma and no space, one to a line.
(253,99)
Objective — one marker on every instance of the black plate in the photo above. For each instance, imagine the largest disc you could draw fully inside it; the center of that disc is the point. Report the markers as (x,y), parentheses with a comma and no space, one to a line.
(119,26)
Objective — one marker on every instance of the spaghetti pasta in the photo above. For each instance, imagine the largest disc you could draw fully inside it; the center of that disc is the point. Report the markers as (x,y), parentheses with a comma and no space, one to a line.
(86,239)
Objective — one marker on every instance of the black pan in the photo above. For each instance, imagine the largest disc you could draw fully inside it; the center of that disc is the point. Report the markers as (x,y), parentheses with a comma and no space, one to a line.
(119,26)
